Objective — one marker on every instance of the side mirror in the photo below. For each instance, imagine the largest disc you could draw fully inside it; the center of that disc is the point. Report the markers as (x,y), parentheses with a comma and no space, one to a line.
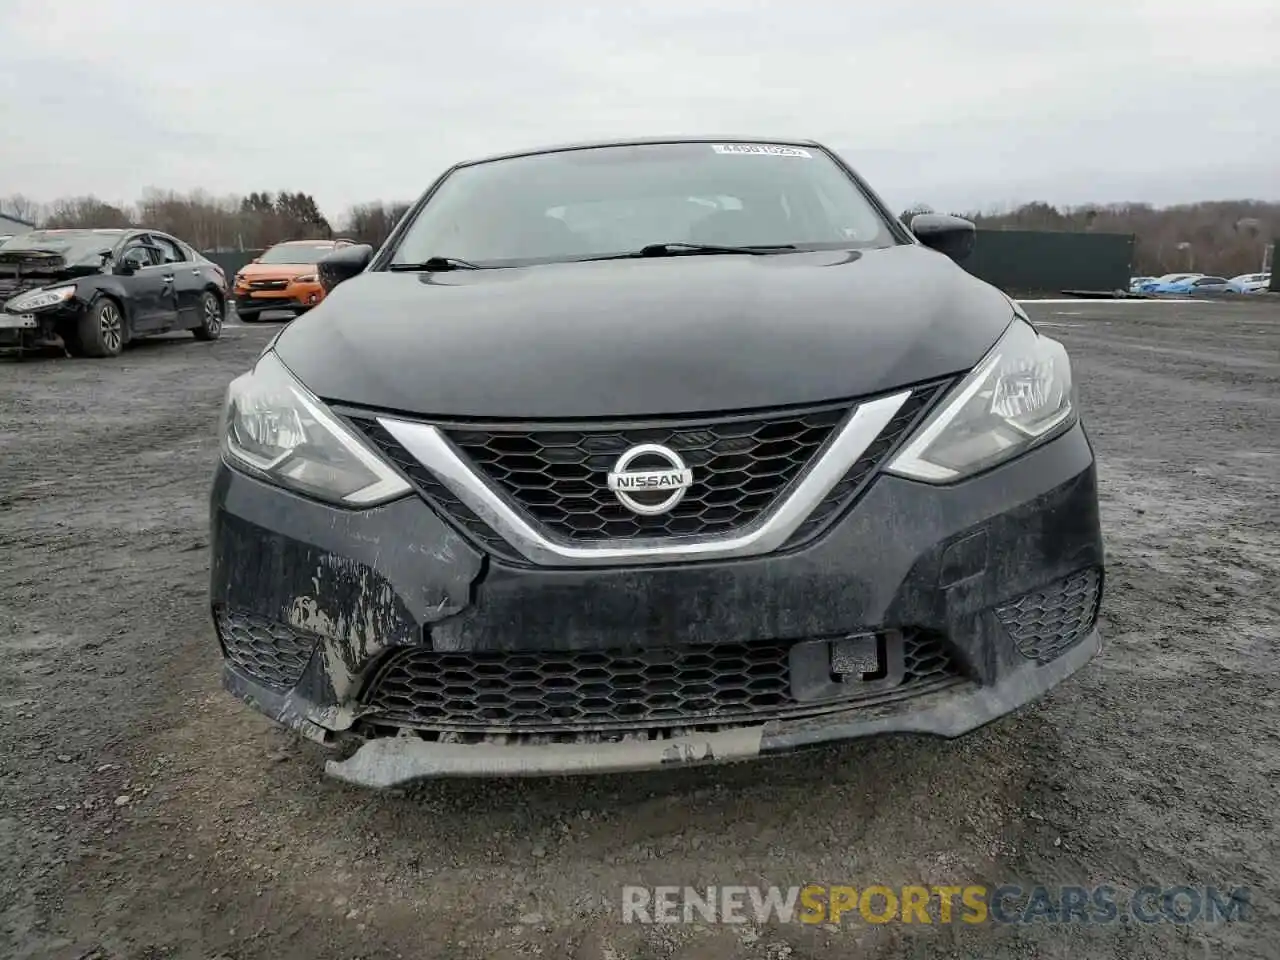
(953,236)
(126,267)
(340,265)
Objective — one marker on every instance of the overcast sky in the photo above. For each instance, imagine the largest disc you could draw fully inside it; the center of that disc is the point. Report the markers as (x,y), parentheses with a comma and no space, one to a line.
(967,104)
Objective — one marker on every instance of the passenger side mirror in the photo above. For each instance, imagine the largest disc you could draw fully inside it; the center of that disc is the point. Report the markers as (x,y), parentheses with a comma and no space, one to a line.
(340,265)
(953,236)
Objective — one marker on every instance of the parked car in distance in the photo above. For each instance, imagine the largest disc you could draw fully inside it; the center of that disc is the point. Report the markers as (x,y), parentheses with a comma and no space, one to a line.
(95,291)
(283,278)
(1153,285)
(1251,283)
(647,455)
(1196,286)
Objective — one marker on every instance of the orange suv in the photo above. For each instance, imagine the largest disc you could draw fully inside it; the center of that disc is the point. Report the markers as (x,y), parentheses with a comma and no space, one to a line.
(283,278)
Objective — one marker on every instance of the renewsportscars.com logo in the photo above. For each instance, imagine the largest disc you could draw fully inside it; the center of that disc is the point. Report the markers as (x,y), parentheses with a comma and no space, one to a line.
(936,904)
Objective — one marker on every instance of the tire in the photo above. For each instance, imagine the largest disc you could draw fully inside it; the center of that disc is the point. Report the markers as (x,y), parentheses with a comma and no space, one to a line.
(248,316)
(210,317)
(100,332)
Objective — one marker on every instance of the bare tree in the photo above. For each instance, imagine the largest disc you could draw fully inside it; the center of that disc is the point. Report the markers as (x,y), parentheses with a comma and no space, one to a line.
(20,207)
(87,212)
(373,222)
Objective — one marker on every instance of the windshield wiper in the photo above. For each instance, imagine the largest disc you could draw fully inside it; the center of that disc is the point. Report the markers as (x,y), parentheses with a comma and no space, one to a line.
(674,249)
(432,264)
(694,249)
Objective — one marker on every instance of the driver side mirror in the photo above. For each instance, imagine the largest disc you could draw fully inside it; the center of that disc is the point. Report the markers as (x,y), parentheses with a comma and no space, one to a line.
(128,265)
(953,236)
(343,264)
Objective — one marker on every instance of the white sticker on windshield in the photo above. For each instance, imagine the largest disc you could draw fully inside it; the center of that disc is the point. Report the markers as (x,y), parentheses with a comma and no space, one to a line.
(761,149)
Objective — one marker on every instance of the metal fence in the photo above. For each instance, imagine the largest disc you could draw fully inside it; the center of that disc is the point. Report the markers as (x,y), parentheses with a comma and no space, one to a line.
(1033,261)
(232,261)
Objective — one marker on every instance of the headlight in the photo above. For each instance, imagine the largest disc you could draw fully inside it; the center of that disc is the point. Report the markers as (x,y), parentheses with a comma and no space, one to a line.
(1018,396)
(275,429)
(39,299)
(305,278)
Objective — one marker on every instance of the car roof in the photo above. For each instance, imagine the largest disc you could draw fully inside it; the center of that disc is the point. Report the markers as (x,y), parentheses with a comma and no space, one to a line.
(639,142)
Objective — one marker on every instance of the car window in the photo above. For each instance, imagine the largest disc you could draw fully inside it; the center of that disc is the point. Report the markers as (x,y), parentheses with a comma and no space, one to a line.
(170,252)
(297,253)
(599,201)
(138,252)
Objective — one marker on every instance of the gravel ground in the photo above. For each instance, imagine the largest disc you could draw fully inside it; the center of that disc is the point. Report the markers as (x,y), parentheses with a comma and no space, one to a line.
(143,813)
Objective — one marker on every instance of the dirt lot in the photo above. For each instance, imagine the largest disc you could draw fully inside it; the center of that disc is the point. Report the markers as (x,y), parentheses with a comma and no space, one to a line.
(145,814)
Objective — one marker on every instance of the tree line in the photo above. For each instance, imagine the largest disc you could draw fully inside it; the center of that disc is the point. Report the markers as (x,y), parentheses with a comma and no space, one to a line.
(215,224)
(1226,237)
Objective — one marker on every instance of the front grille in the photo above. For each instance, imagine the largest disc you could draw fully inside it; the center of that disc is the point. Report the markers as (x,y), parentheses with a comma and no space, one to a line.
(615,689)
(739,468)
(742,467)
(270,652)
(268,284)
(1048,622)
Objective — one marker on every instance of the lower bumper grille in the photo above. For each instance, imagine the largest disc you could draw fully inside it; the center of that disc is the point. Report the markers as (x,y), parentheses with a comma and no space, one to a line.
(272,653)
(1047,623)
(615,689)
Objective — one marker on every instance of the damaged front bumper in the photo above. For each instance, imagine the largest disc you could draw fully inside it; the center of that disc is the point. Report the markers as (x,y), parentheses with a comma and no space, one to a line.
(388,635)
(28,331)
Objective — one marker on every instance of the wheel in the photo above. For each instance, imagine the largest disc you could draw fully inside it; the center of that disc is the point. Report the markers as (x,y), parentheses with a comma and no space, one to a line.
(210,317)
(100,332)
(248,316)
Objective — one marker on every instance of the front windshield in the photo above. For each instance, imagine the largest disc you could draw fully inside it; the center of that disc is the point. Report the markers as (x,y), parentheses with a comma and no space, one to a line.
(74,246)
(577,204)
(296,253)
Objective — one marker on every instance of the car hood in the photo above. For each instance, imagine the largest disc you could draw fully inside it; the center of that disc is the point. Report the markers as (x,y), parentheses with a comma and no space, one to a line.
(43,266)
(646,336)
(275,271)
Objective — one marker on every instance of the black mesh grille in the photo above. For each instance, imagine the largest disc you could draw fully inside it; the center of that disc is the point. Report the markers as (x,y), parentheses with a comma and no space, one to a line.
(1047,623)
(270,652)
(613,689)
(844,493)
(739,467)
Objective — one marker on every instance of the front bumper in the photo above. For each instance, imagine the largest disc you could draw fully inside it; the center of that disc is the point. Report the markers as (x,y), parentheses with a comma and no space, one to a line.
(29,330)
(314,605)
(297,296)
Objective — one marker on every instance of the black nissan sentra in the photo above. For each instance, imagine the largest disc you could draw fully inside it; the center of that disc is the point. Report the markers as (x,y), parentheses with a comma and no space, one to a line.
(650,454)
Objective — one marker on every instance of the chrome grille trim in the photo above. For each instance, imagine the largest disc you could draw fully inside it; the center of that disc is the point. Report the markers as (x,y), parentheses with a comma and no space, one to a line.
(433,450)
